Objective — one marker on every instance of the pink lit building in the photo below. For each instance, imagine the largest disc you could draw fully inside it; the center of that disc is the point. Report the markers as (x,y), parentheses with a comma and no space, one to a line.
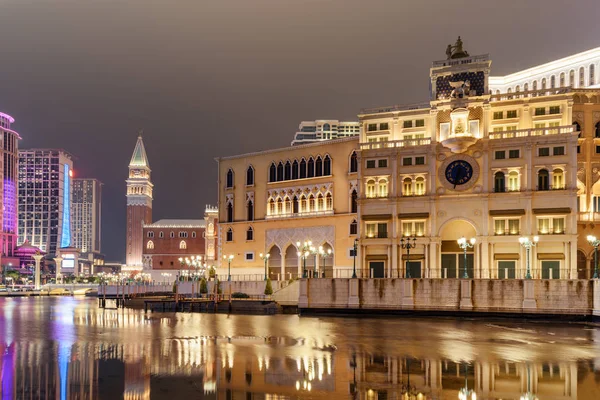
(9,156)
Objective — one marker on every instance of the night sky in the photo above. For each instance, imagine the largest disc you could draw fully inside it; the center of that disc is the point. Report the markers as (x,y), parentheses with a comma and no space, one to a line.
(214,78)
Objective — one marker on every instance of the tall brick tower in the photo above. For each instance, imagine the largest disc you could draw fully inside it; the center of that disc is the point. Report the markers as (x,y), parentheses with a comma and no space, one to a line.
(139,203)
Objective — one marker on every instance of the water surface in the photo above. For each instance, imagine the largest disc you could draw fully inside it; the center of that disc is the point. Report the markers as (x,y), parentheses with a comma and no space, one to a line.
(68,348)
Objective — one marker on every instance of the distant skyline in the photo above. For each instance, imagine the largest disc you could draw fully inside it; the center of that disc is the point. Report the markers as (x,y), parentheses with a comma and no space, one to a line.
(215,78)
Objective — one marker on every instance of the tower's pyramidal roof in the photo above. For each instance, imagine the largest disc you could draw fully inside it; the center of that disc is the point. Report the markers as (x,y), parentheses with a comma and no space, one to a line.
(139,158)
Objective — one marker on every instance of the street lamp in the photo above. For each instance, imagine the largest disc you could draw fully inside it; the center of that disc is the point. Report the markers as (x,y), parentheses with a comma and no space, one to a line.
(406,244)
(408,391)
(265,257)
(324,254)
(194,262)
(355,249)
(528,244)
(466,393)
(228,258)
(464,244)
(529,395)
(594,242)
(304,252)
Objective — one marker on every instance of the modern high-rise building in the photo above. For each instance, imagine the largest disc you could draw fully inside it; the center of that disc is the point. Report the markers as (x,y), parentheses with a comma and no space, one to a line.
(8,185)
(86,211)
(44,198)
(139,204)
(324,129)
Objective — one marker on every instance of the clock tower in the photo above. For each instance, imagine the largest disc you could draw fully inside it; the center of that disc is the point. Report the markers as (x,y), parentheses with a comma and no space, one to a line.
(139,204)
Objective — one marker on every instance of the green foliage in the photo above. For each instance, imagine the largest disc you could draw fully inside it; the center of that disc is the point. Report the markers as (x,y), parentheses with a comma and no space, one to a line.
(203,286)
(219,290)
(268,288)
(239,295)
(212,272)
(12,274)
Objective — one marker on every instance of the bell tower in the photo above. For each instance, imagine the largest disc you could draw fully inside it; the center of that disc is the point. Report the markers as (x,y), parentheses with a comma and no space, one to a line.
(139,203)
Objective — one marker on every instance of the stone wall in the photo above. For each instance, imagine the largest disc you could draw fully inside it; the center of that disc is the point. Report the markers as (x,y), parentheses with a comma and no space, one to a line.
(575,297)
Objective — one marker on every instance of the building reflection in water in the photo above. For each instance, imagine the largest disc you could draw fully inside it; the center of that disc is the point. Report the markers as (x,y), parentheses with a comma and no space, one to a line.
(77,361)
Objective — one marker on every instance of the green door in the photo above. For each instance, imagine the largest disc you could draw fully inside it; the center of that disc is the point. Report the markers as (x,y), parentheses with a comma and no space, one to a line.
(377,269)
(506,269)
(414,267)
(449,266)
(550,269)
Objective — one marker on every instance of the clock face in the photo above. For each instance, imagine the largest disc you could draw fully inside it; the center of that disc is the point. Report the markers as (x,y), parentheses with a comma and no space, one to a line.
(458,172)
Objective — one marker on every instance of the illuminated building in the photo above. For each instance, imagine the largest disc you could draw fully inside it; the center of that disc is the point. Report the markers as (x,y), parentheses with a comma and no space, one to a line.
(139,204)
(87,214)
(168,240)
(8,186)
(324,129)
(44,196)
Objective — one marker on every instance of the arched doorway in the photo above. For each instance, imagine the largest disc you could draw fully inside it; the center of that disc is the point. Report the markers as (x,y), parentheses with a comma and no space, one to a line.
(274,262)
(452,256)
(291,262)
(582,272)
(326,263)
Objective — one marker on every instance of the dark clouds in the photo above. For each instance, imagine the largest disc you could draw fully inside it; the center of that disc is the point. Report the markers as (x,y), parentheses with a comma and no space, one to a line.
(208,78)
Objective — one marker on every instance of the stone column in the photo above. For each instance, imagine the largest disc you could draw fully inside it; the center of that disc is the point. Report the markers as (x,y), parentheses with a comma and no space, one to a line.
(38,260)
(282,256)
(58,260)
(435,270)
(486,267)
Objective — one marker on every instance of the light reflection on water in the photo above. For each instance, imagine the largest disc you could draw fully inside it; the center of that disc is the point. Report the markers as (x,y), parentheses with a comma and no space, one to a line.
(67,348)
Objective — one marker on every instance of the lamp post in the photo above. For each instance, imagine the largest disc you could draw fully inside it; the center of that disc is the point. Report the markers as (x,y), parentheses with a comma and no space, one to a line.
(528,244)
(465,244)
(466,393)
(594,242)
(529,395)
(265,257)
(304,250)
(406,244)
(228,258)
(408,391)
(355,249)
(324,254)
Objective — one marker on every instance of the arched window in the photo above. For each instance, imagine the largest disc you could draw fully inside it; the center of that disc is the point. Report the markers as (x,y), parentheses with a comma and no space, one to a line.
(558,180)
(517,89)
(562,79)
(383,188)
(370,188)
(319,166)
(280,172)
(150,245)
(354,202)
(250,176)
(288,205)
(250,234)
(581,77)
(172,235)
(229,212)
(302,168)
(295,171)
(295,208)
(287,171)
(353,227)
(597,130)
(513,181)
(320,204)
(161,234)
(327,166)
(577,128)
(250,209)
(311,168)
(272,173)
(229,178)
(150,234)
(182,245)
(407,187)
(526,87)
(279,206)
(543,183)
(420,186)
(194,235)
(229,237)
(499,182)
(271,207)
(543,83)
(592,77)
(572,78)
(328,202)
(534,85)
(353,162)
(303,204)
(311,203)
(326,127)
(552,82)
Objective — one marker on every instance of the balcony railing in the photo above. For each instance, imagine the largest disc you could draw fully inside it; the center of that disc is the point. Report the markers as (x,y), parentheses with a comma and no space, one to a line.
(557,130)
(529,93)
(395,143)
(588,216)
(377,235)
(546,187)
(300,214)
